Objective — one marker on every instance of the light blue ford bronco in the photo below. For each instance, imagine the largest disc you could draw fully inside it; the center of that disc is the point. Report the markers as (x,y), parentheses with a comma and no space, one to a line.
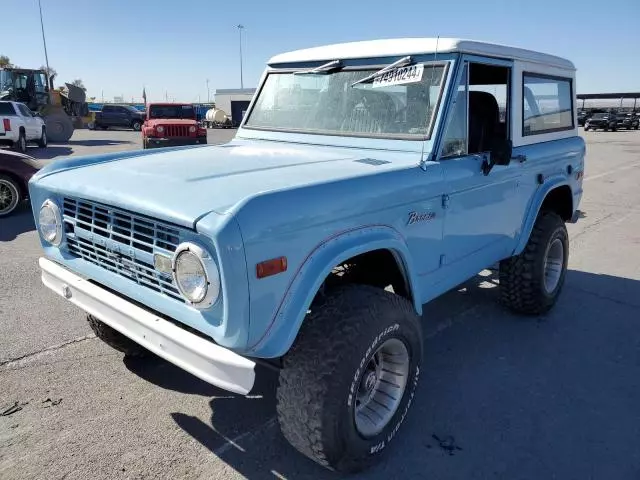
(365,180)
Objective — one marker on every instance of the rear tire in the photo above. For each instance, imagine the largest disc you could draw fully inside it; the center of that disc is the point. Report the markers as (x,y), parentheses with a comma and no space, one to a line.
(20,145)
(531,282)
(42,143)
(10,195)
(333,378)
(115,339)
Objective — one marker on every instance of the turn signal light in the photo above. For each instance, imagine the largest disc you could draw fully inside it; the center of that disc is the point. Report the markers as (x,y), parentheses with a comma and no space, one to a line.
(271,267)
(7,124)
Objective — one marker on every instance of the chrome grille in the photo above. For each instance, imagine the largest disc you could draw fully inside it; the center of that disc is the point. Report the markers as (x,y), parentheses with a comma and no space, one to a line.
(120,242)
(120,226)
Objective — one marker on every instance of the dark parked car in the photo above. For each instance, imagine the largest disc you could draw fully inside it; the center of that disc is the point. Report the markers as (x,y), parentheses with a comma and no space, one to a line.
(583,115)
(123,116)
(602,121)
(628,121)
(15,171)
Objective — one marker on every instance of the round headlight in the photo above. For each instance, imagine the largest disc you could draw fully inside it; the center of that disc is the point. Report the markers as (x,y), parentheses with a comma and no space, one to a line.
(196,275)
(192,128)
(50,223)
(160,128)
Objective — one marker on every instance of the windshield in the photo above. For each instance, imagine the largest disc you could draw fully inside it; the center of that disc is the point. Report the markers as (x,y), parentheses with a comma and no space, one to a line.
(400,103)
(172,111)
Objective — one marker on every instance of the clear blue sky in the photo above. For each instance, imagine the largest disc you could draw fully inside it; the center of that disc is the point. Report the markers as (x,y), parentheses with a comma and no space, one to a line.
(117,46)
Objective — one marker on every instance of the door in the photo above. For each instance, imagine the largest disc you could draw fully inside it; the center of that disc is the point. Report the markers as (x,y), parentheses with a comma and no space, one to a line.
(238,109)
(31,124)
(482,214)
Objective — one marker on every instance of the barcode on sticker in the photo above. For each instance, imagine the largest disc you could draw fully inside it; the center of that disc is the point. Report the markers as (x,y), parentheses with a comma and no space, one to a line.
(399,76)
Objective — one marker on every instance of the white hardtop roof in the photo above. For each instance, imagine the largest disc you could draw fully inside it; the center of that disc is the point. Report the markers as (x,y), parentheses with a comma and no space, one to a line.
(417,46)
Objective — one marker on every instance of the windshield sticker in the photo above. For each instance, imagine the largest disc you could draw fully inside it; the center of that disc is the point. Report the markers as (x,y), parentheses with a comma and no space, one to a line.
(399,76)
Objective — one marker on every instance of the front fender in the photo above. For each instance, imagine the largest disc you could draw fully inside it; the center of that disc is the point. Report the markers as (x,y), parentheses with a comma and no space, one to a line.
(281,332)
(541,193)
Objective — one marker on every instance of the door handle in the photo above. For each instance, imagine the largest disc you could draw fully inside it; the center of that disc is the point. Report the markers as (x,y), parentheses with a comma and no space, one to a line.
(520,158)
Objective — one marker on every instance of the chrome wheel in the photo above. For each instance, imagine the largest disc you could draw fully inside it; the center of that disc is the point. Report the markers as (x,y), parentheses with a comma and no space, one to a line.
(553,265)
(381,387)
(9,196)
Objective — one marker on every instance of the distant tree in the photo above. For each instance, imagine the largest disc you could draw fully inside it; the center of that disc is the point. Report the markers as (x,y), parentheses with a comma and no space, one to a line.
(50,71)
(4,61)
(78,83)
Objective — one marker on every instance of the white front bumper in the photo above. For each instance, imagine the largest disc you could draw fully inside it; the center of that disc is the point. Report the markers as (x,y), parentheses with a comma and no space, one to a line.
(204,359)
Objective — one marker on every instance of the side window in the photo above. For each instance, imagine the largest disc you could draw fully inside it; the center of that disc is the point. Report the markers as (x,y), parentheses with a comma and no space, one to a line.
(25,111)
(481,112)
(40,82)
(455,140)
(108,109)
(547,104)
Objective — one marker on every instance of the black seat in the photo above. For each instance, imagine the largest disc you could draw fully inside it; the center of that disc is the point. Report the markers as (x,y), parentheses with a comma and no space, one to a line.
(484,121)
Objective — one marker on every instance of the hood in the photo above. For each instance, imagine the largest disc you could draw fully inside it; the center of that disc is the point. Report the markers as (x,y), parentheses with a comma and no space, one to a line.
(171,121)
(183,185)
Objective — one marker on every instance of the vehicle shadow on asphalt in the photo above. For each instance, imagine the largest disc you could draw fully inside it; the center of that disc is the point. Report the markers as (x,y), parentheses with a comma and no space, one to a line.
(495,387)
(98,143)
(52,151)
(19,222)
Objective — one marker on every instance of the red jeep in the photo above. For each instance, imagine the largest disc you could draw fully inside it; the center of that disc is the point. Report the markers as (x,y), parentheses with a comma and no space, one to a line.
(171,124)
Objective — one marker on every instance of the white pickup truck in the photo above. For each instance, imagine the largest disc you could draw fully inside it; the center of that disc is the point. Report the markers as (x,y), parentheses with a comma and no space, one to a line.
(19,125)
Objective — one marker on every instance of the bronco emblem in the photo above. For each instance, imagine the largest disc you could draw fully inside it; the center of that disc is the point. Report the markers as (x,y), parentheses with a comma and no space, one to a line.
(415,217)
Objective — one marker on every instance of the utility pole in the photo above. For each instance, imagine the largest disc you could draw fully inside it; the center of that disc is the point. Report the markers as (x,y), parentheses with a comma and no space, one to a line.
(208,96)
(44,42)
(240,28)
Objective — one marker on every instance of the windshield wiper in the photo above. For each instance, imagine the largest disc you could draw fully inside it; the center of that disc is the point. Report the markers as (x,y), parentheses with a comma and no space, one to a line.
(403,62)
(326,68)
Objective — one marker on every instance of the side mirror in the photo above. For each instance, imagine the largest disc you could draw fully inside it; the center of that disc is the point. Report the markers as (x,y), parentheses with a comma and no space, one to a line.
(500,154)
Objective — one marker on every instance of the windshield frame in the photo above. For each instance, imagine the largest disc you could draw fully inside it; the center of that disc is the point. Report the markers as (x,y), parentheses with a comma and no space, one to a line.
(176,106)
(427,60)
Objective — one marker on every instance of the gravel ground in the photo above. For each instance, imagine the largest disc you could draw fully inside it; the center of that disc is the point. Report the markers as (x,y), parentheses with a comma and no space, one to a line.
(500,396)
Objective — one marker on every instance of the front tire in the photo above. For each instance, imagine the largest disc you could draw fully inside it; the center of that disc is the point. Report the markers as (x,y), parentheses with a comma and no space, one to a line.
(136,125)
(115,339)
(59,127)
(530,283)
(349,379)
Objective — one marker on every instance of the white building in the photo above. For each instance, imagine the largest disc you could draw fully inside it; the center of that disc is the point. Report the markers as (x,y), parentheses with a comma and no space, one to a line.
(234,102)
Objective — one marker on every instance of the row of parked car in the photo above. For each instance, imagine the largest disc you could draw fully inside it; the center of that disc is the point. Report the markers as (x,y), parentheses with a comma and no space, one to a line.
(608,120)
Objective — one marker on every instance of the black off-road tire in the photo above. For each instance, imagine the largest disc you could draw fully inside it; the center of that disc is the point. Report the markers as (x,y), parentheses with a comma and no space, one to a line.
(115,339)
(522,286)
(59,127)
(322,371)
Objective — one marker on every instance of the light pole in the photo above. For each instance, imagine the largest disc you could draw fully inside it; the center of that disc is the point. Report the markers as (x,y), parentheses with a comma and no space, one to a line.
(208,96)
(44,42)
(240,28)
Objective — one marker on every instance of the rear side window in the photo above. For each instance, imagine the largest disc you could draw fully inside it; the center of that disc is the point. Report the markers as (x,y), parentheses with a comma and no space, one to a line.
(108,108)
(6,109)
(547,104)
(25,111)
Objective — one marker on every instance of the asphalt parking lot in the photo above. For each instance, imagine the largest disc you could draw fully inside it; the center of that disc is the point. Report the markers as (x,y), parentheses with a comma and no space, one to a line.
(500,397)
